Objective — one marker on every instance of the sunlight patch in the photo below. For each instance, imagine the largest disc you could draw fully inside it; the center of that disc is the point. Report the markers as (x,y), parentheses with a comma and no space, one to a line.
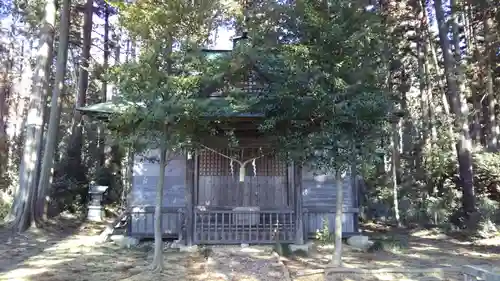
(21,274)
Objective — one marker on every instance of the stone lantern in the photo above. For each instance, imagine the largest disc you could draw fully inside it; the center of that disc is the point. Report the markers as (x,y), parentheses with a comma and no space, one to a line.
(95,211)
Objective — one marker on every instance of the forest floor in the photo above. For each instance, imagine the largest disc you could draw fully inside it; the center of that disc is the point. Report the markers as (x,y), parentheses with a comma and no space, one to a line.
(404,249)
(72,253)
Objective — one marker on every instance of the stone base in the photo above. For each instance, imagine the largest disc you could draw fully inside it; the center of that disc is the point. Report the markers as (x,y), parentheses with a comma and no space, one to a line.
(95,213)
(360,242)
(300,247)
(124,241)
(181,246)
(177,244)
(188,249)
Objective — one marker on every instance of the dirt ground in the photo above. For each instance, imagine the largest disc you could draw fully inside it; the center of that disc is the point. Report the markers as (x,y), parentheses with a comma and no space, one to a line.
(72,253)
(419,249)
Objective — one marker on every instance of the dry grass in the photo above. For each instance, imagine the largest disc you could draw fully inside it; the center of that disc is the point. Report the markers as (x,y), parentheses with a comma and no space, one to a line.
(72,253)
(421,249)
(243,264)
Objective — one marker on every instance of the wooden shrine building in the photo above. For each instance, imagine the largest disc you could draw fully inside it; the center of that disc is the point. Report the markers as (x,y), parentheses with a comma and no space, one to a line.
(209,199)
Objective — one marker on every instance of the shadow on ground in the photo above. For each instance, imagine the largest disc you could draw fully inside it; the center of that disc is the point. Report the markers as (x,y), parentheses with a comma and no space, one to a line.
(77,256)
(416,249)
(16,248)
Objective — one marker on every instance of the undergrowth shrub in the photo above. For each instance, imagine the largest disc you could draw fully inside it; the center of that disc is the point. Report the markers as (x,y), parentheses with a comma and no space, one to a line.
(431,193)
(487,174)
(324,235)
(67,195)
(4,209)
(488,220)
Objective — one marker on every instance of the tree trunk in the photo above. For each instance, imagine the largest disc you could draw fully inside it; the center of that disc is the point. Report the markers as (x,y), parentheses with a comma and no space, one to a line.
(456,92)
(431,49)
(127,172)
(19,110)
(337,254)
(5,89)
(476,78)
(118,51)
(157,265)
(394,167)
(428,130)
(116,156)
(27,182)
(51,139)
(493,131)
(45,121)
(101,143)
(74,152)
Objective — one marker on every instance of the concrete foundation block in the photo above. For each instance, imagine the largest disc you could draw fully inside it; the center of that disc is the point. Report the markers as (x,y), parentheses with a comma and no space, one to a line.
(124,241)
(188,249)
(359,241)
(95,213)
(177,244)
(300,247)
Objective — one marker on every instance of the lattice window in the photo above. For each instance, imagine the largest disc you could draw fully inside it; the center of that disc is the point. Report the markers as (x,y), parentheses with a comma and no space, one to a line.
(212,164)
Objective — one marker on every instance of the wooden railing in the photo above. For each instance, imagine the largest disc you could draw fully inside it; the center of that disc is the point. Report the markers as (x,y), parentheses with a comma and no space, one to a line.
(234,227)
(223,225)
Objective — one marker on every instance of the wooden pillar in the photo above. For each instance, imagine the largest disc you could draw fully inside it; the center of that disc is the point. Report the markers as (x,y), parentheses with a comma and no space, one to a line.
(189,193)
(299,212)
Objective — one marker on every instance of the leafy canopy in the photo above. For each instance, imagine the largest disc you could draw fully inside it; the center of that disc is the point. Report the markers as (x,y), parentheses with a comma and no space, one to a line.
(324,97)
(160,87)
(328,87)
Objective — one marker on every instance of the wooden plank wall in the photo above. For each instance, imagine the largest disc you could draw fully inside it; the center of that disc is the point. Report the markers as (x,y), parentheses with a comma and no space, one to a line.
(142,222)
(313,221)
(265,183)
(145,178)
(141,198)
(319,191)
